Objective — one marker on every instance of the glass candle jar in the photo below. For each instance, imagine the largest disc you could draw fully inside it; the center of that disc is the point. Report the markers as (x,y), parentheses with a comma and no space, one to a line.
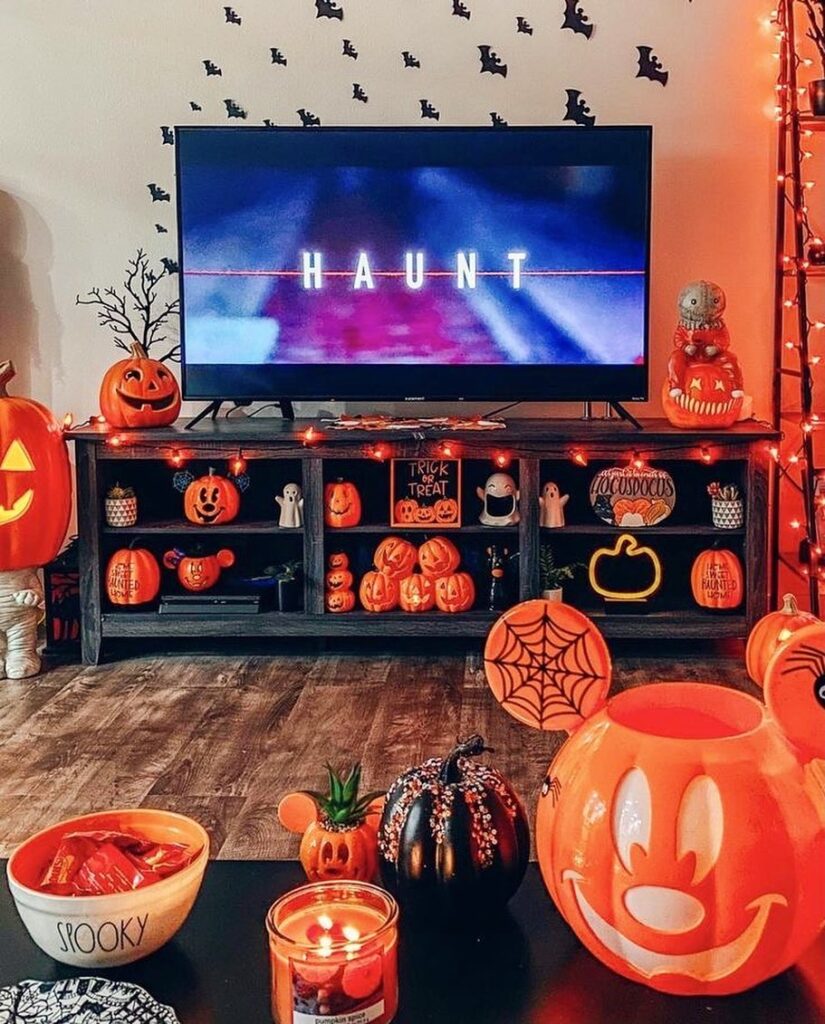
(333,953)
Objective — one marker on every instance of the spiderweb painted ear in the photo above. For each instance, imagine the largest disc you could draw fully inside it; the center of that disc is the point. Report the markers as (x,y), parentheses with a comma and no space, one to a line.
(795,689)
(242,481)
(547,665)
(182,479)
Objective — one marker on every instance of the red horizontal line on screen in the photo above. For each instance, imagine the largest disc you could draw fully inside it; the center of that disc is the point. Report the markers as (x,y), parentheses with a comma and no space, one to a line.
(427,273)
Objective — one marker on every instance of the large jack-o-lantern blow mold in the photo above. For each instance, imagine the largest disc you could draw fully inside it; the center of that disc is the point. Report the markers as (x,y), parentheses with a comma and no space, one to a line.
(681,827)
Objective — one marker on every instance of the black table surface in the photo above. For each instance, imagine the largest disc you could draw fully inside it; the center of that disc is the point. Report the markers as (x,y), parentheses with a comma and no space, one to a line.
(528,968)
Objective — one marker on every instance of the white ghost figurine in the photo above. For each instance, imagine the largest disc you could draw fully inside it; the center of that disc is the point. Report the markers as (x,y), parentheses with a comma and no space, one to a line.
(499,501)
(551,503)
(292,507)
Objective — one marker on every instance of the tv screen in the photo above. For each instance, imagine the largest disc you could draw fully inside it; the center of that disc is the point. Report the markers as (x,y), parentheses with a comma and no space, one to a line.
(405,264)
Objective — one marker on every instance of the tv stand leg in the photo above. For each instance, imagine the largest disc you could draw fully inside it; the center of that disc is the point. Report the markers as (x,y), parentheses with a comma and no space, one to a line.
(625,415)
(287,409)
(211,410)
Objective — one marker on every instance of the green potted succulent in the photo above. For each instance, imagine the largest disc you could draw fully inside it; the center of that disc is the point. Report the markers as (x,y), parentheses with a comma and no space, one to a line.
(289,583)
(553,577)
(121,506)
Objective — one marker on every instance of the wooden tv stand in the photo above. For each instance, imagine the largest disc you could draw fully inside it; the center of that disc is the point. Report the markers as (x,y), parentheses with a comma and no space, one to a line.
(540,449)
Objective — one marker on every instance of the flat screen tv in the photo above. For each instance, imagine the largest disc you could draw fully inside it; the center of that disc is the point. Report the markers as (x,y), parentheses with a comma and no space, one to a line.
(497,264)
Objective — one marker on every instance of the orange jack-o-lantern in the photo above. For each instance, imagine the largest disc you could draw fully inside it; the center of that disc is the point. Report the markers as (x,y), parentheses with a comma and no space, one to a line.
(446,511)
(338,560)
(405,509)
(425,514)
(378,592)
(342,504)
(438,556)
(211,499)
(338,579)
(716,579)
(139,392)
(132,576)
(416,593)
(35,481)
(455,593)
(770,633)
(395,557)
(706,399)
(198,572)
(652,831)
(339,601)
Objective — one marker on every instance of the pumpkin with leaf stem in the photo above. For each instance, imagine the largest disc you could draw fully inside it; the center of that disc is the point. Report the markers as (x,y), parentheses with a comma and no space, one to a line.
(342,504)
(378,592)
(416,593)
(139,392)
(395,557)
(455,593)
(211,499)
(770,633)
(339,840)
(453,840)
(438,556)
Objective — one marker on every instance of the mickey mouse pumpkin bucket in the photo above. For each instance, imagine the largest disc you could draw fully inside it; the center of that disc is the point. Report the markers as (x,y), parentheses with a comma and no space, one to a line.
(681,827)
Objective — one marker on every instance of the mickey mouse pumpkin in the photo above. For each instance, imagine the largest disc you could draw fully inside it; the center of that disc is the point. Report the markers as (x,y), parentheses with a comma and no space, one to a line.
(209,500)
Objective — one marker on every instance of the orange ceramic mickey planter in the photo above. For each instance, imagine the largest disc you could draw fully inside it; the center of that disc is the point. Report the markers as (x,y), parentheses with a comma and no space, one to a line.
(681,828)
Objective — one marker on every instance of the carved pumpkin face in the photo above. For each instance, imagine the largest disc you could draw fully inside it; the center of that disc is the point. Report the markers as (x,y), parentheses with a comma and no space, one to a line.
(328,855)
(425,514)
(455,593)
(342,504)
(338,579)
(405,509)
(446,511)
(395,557)
(132,576)
(438,556)
(378,592)
(210,500)
(199,572)
(416,593)
(139,392)
(338,560)
(35,481)
(339,600)
(651,831)
(706,400)
(716,579)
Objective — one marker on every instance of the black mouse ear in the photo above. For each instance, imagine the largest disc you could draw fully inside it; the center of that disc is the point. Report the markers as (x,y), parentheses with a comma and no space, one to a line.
(182,479)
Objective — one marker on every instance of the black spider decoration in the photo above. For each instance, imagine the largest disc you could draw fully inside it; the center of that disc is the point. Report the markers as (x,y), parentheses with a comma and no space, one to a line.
(810,658)
(551,787)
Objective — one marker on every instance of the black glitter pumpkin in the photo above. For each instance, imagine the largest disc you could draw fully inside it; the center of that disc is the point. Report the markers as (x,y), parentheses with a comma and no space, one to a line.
(453,839)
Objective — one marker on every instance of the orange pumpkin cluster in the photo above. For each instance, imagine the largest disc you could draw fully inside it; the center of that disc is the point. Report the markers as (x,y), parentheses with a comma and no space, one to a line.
(338,593)
(394,582)
(409,512)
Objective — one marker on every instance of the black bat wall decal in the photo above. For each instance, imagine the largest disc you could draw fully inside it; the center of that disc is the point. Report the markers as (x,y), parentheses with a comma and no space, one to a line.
(410,60)
(212,68)
(429,111)
(491,62)
(167,135)
(577,110)
(170,265)
(308,119)
(158,194)
(328,9)
(358,93)
(277,56)
(161,230)
(460,10)
(349,49)
(524,26)
(576,19)
(269,122)
(650,66)
(234,109)
(232,16)
(497,120)
(195,106)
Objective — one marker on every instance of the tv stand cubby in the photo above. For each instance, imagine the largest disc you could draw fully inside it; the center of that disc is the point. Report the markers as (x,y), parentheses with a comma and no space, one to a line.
(276,452)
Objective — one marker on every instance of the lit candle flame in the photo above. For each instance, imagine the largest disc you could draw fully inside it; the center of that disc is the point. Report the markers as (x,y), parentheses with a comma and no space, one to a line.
(325,921)
(351,934)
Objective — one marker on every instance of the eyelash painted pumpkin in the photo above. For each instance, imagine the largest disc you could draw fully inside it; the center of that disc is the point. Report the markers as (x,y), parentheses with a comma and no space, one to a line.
(139,392)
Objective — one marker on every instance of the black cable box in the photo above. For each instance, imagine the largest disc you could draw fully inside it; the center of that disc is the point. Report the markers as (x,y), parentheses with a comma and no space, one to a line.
(209,604)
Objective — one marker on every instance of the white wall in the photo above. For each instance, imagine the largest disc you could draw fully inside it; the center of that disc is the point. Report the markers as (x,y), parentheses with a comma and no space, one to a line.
(87,83)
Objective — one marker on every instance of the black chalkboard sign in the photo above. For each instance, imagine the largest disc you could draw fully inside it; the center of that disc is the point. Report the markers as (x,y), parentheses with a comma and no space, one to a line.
(425,493)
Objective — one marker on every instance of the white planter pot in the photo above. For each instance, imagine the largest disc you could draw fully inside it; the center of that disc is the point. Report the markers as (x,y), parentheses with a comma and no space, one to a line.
(121,511)
(553,595)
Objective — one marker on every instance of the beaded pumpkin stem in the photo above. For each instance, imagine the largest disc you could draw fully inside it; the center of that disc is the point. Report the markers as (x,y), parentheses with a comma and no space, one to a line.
(471,747)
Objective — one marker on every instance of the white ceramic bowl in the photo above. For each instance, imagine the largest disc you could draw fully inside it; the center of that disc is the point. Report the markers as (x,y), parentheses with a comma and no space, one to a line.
(104,931)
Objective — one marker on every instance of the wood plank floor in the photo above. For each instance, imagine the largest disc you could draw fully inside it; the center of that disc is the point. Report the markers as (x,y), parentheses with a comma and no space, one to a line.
(222,738)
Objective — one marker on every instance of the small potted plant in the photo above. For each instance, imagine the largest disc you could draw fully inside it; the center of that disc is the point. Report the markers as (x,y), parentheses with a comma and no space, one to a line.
(816,32)
(726,507)
(288,577)
(121,506)
(553,576)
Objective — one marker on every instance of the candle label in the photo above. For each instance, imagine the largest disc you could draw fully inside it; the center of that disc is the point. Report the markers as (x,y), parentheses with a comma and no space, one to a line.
(338,993)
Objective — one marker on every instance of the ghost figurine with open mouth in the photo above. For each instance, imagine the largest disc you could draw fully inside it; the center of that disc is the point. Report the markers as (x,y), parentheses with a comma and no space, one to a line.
(499,501)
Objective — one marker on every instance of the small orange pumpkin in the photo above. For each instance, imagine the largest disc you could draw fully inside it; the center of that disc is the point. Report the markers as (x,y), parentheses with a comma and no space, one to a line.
(438,556)
(395,557)
(446,511)
(339,601)
(378,592)
(342,504)
(770,633)
(455,593)
(338,560)
(211,499)
(139,392)
(416,593)
(338,579)
(425,514)
(716,579)
(405,509)
(132,576)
